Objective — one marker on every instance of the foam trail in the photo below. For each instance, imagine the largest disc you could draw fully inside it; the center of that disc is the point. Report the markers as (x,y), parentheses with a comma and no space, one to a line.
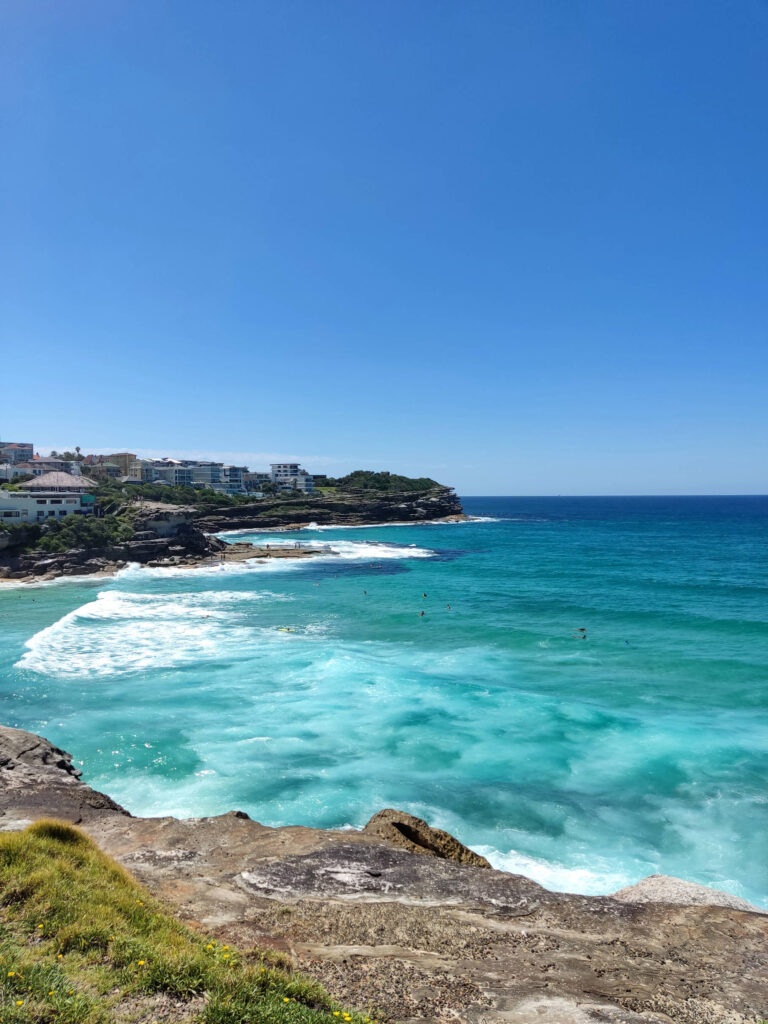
(121,632)
(364,551)
(557,877)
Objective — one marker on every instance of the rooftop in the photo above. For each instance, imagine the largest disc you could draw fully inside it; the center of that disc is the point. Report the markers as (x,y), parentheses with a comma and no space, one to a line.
(59,481)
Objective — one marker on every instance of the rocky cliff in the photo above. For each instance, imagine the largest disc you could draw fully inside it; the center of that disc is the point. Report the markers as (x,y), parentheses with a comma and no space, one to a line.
(187,543)
(405,918)
(342,509)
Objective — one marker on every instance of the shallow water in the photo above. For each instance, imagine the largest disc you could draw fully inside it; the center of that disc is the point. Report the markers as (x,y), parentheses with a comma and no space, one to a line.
(584,763)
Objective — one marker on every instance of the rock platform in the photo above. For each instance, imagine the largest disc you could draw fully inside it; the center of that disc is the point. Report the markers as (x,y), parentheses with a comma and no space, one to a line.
(420,932)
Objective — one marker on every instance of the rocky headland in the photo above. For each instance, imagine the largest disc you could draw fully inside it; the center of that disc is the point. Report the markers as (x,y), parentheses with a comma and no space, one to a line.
(404,917)
(181,536)
(337,509)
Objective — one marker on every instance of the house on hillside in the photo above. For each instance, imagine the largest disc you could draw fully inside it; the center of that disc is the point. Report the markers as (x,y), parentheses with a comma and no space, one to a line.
(50,496)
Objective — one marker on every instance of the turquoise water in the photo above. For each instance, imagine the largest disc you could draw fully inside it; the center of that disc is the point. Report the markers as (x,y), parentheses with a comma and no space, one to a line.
(584,763)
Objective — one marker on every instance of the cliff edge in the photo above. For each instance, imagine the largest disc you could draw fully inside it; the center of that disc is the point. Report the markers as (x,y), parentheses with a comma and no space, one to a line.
(418,928)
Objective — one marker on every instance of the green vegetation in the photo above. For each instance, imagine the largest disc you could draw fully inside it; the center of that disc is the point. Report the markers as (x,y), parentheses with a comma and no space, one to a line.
(84,532)
(368,480)
(70,532)
(82,943)
(17,484)
(112,492)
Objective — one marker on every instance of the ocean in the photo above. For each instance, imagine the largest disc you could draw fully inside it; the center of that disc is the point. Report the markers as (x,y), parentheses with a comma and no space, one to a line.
(584,699)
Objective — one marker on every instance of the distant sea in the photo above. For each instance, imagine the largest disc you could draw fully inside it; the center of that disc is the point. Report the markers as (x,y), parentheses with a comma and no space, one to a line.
(591,708)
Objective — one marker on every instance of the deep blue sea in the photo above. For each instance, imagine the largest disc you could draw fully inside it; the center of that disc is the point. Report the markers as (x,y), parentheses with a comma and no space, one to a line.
(584,700)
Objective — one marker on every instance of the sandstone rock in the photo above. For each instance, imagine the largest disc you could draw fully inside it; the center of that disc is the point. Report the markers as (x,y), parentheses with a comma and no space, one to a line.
(401,829)
(427,940)
(666,889)
(41,779)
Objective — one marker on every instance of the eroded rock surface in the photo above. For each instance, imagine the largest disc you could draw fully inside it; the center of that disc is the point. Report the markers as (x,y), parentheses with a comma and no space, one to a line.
(419,938)
(398,828)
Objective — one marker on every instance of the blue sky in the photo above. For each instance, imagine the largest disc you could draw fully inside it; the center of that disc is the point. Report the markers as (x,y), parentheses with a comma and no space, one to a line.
(518,246)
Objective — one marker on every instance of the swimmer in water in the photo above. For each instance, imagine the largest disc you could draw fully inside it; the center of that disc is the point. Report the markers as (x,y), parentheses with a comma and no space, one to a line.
(448,607)
(423,595)
(421,614)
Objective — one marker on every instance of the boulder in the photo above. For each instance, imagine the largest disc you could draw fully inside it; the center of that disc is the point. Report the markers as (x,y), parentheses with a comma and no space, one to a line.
(401,829)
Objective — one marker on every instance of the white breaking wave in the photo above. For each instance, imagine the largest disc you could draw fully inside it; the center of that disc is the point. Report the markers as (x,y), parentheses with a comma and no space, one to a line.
(324,527)
(352,550)
(135,570)
(375,551)
(121,632)
(600,881)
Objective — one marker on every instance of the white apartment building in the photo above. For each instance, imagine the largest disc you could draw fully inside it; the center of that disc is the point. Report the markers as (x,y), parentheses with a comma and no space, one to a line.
(290,476)
(50,496)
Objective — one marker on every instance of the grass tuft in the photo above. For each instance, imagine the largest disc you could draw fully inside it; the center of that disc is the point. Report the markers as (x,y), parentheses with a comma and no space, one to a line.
(81,942)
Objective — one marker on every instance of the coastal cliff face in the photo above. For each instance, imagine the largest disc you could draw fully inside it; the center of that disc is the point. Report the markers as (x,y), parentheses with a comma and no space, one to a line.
(405,918)
(337,509)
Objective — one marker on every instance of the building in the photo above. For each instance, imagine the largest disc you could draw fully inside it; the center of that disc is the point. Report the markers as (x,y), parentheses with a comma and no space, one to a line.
(289,476)
(123,460)
(60,482)
(142,470)
(256,481)
(233,479)
(50,496)
(50,464)
(171,471)
(105,471)
(208,474)
(12,451)
(284,471)
(10,470)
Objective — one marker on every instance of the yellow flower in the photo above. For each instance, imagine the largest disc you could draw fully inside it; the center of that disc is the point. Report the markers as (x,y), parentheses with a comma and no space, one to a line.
(19,1002)
(226,955)
(209,946)
(142,962)
(60,956)
(50,993)
(39,926)
(225,947)
(11,973)
(286,999)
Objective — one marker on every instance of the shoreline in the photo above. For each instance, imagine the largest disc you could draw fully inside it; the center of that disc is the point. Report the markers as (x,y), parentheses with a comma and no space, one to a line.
(238,552)
(402,916)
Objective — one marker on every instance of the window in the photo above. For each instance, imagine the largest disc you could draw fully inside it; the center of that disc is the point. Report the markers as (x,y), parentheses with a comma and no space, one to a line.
(42,501)
(55,501)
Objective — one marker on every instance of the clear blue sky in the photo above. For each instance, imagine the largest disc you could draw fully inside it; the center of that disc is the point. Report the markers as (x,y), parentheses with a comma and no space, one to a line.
(520,246)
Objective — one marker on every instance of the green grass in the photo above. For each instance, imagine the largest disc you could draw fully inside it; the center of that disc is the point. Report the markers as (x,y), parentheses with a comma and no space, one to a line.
(81,942)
